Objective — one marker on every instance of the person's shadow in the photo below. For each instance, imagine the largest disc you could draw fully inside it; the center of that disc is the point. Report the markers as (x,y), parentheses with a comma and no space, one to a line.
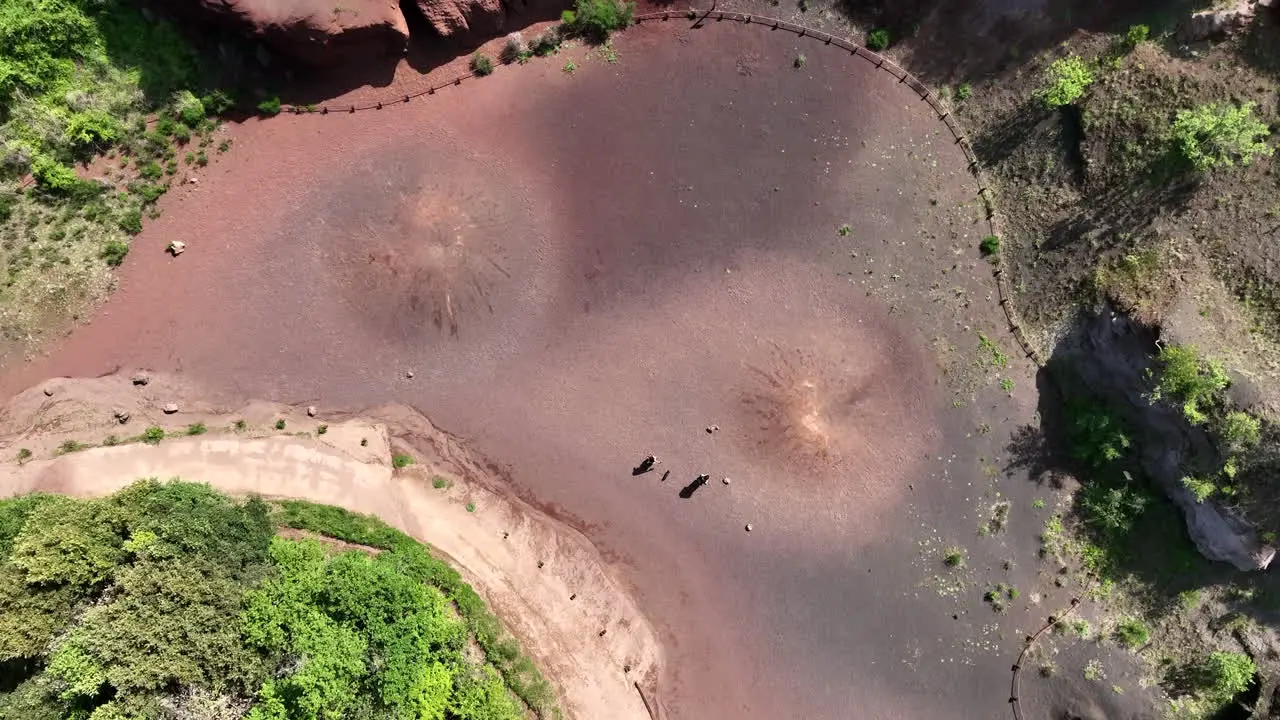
(645,466)
(688,490)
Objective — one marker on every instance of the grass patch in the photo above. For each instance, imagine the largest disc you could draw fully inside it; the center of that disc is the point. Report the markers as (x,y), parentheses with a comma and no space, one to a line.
(471,507)
(953,557)
(322,429)
(399,461)
(24,454)
(153,435)
(280,424)
(439,483)
(1131,633)
(70,446)
(196,429)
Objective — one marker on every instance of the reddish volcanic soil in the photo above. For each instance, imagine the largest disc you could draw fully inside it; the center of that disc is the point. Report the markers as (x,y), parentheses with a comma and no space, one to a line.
(582,269)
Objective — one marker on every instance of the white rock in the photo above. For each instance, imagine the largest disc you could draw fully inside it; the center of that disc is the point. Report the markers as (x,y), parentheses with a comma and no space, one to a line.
(311,411)
(170,408)
(177,247)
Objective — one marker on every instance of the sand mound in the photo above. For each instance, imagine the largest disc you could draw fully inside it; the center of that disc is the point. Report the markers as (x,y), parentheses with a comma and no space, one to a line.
(430,244)
(546,582)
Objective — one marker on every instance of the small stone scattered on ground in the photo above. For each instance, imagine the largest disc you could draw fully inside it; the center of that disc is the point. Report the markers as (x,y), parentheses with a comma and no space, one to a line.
(141,379)
(48,392)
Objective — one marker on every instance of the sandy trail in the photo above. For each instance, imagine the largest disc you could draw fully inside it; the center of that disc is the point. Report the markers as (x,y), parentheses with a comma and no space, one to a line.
(526,565)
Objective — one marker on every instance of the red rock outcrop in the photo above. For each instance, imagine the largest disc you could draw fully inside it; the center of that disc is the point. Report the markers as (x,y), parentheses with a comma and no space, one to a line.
(319,32)
(464,17)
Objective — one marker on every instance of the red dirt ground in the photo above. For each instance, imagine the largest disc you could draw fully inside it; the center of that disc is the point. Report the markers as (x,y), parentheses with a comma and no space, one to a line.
(581,269)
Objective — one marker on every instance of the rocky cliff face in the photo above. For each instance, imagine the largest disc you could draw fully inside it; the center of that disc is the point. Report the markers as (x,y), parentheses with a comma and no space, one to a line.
(318,32)
(331,32)
(1111,355)
(458,17)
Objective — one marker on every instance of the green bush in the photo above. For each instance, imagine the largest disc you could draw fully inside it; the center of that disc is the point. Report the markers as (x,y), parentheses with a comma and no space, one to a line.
(1132,633)
(481,65)
(188,108)
(114,252)
(1223,675)
(1202,489)
(197,429)
(1067,78)
(964,91)
(92,129)
(1216,134)
(1195,382)
(131,221)
(989,246)
(878,40)
(401,461)
(53,175)
(270,106)
(596,20)
(1096,436)
(153,434)
(547,43)
(1135,36)
(1240,431)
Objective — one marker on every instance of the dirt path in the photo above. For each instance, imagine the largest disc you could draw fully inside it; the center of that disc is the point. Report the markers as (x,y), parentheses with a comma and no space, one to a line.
(545,581)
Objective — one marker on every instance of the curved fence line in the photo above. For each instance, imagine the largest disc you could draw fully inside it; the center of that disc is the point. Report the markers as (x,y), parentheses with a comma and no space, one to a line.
(985,194)
(1015,686)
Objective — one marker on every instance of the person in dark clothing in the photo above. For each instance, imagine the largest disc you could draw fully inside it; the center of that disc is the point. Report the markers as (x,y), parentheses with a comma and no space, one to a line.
(645,465)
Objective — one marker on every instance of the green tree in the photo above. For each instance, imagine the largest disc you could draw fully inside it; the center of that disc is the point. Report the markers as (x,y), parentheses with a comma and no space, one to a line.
(428,698)
(75,671)
(174,622)
(192,519)
(482,696)
(68,541)
(1219,134)
(13,518)
(30,617)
